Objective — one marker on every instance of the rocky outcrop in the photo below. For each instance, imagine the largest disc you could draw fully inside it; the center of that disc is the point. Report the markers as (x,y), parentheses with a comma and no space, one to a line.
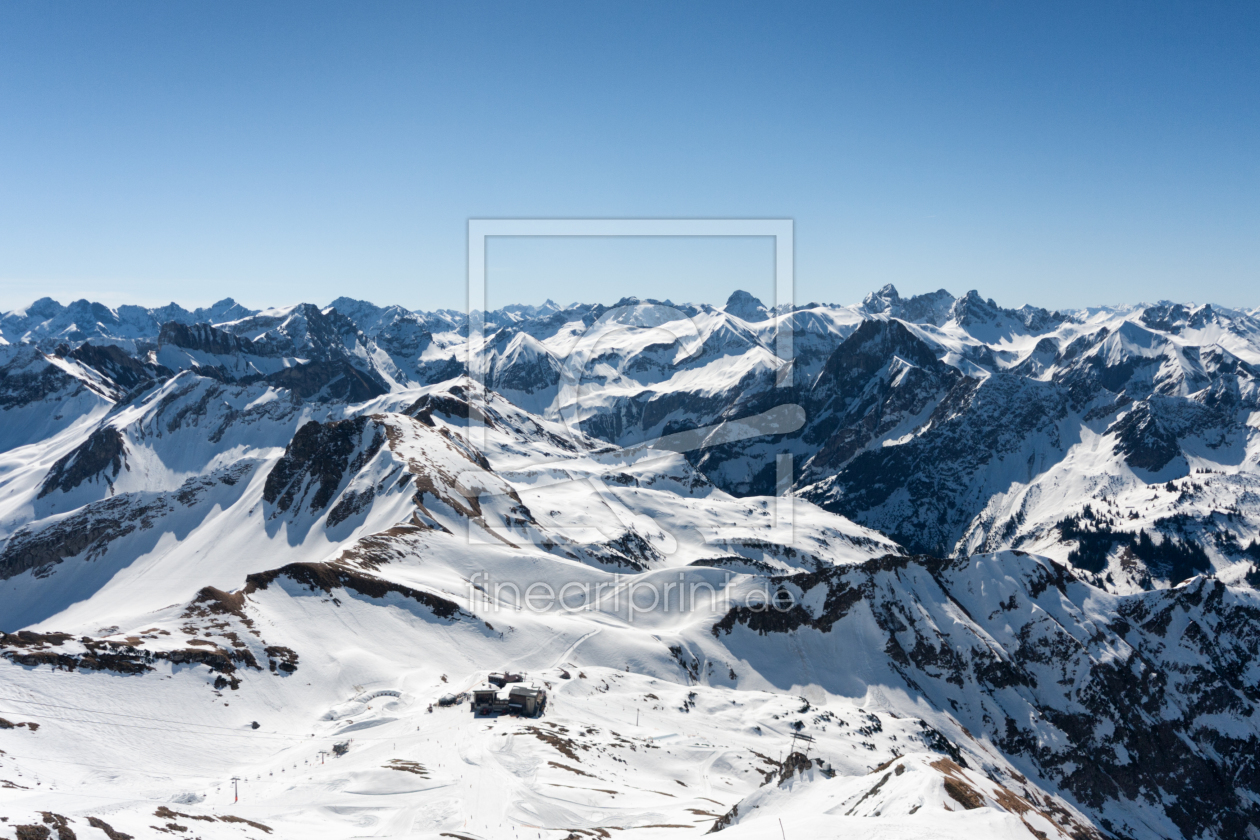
(327,577)
(126,372)
(202,337)
(1146,443)
(102,456)
(332,381)
(1151,705)
(319,459)
(28,377)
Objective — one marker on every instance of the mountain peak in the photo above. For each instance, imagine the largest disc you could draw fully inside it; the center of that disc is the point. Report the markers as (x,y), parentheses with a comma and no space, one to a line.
(931,308)
(972,311)
(45,307)
(743,305)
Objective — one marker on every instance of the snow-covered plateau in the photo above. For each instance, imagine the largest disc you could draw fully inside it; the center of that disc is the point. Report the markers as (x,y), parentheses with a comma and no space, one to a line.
(945,569)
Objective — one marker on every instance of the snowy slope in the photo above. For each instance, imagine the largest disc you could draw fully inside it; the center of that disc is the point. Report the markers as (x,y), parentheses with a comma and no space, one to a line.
(1006,586)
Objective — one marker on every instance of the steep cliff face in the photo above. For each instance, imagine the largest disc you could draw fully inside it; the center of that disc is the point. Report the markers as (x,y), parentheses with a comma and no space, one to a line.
(318,461)
(203,337)
(99,458)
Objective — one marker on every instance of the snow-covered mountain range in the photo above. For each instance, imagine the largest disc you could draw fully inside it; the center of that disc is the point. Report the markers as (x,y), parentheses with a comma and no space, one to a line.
(998,565)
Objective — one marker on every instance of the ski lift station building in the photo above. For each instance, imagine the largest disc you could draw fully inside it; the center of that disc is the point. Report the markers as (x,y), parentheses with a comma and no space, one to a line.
(524,700)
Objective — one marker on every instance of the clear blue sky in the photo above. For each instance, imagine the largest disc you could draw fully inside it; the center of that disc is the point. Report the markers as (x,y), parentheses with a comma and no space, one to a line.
(1062,154)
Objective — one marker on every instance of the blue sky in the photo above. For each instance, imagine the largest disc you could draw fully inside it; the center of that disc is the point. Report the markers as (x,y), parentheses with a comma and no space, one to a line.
(1062,154)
